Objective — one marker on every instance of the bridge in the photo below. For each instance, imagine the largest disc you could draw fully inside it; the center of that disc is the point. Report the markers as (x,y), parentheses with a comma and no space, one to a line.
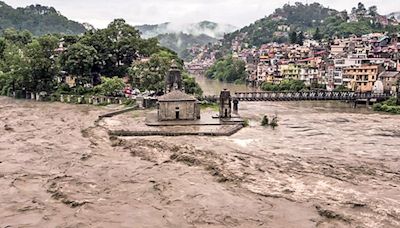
(309,95)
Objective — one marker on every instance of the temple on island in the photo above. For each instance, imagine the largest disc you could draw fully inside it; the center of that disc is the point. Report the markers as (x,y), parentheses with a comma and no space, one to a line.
(176,104)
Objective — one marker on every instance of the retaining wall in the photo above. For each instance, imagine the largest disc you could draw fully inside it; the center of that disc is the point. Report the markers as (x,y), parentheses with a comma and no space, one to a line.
(170,133)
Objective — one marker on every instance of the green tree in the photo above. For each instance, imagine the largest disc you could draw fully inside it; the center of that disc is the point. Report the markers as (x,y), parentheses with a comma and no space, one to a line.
(191,85)
(293,37)
(14,70)
(20,38)
(361,8)
(2,47)
(373,11)
(228,70)
(110,86)
(317,35)
(118,46)
(300,38)
(285,85)
(79,60)
(150,74)
(42,63)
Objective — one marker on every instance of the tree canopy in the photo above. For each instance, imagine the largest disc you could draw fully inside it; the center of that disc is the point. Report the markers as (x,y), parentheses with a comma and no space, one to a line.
(38,64)
(228,70)
(150,74)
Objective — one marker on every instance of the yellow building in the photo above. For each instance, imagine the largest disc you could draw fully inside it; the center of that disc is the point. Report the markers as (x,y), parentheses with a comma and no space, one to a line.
(290,71)
(361,78)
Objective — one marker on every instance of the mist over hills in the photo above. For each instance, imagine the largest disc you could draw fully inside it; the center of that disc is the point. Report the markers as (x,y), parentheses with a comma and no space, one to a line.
(208,28)
(181,36)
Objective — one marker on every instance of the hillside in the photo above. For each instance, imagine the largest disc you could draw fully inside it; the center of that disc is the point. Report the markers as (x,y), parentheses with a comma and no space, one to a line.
(396,15)
(180,37)
(307,17)
(38,20)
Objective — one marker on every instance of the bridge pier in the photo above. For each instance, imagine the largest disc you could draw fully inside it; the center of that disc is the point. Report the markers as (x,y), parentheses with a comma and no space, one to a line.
(235,106)
(398,98)
(354,104)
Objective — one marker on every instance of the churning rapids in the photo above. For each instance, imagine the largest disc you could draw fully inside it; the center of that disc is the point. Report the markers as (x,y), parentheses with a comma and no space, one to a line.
(326,165)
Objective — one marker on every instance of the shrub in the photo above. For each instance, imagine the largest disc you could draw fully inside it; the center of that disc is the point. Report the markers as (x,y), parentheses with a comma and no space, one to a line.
(246,123)
(265,121)
(274,122)
(285,85)
(129,102)
(387,106)
(109,86)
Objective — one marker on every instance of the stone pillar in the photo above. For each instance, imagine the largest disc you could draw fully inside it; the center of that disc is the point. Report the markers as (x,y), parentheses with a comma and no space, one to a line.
(225,104)
(354,104)
(79,100)
(236,106)
(398,92)
(68,98)
(108,100)
(140,101)
(62,98)
(33,96)
(120,101)
(95,101)
(398,98)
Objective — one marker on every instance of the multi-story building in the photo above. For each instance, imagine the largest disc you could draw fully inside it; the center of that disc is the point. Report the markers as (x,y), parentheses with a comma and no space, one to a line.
(309,75)
(361,78)
(339,47)
(289,71)
(340,64)
(389,80)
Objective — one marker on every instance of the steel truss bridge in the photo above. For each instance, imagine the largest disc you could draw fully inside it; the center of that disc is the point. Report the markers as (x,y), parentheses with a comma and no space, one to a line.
(310,95)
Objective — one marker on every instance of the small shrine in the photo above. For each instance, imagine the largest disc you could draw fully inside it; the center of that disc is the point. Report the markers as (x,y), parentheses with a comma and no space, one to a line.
(176,104)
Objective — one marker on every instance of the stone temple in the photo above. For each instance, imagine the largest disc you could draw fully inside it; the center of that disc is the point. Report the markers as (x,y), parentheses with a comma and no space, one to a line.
(173,80)
(176,104)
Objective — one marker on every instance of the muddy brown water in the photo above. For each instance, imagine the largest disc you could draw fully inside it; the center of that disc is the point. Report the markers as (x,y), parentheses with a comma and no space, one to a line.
(213,87)
(325,165)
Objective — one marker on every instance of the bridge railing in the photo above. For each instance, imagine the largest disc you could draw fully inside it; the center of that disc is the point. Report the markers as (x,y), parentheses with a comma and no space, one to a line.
(306,95)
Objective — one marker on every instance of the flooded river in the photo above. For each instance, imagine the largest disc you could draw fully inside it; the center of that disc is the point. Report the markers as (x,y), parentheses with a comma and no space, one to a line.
(214,87)
(325,165)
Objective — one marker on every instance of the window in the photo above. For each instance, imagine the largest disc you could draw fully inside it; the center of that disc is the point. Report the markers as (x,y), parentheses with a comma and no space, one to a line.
(177,116)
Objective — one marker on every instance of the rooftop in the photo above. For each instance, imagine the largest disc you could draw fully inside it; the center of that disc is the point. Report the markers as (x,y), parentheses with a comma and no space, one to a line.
(176,95)
(389,74)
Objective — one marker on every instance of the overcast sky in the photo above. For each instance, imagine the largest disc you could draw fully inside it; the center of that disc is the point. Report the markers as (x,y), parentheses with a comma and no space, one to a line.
(236,12)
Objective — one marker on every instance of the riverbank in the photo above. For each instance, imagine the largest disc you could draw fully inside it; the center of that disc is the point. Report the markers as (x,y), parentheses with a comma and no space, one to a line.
(389,106)
(325,165)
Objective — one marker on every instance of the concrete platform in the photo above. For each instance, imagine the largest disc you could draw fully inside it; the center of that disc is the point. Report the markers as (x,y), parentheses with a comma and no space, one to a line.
(207,119)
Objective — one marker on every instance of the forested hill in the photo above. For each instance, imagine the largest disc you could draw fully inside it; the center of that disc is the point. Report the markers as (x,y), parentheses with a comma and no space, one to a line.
(37,19)
(307,18)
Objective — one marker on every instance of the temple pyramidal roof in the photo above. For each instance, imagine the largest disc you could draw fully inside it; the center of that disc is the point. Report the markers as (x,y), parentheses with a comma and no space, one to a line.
(176,95)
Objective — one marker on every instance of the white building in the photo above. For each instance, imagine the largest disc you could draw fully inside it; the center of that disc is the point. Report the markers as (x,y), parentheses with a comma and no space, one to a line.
(340,64)
(309,75)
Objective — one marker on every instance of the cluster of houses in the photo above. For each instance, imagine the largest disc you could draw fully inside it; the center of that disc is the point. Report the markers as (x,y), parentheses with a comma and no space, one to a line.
(370,63)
